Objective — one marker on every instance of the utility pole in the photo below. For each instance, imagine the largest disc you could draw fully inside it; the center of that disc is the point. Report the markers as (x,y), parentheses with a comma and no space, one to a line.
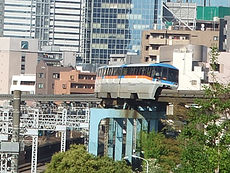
(16,129)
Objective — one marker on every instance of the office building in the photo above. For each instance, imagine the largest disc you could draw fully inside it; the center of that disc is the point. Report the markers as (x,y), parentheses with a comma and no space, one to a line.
(53,23)
(115,27)
(64,26)
(17,56)
(18,18)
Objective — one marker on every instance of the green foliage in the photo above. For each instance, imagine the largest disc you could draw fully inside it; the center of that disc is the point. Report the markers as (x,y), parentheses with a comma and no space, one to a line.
(162,153)
(78,160)
(205,140)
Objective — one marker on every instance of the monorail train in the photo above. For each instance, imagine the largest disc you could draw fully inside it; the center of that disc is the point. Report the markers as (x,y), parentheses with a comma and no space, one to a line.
(135,81)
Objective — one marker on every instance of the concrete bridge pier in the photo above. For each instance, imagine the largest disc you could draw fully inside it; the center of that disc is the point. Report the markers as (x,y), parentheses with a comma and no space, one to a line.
(145,120)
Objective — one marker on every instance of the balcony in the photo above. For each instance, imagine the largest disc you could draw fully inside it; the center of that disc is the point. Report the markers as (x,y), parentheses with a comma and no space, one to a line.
(160,41)
(153,52)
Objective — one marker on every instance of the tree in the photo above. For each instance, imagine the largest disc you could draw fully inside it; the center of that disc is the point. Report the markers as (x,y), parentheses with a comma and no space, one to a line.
(162,153)
(205,140)
(77,159)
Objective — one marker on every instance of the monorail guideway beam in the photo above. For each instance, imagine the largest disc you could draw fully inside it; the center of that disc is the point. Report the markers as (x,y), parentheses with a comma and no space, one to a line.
(147,119)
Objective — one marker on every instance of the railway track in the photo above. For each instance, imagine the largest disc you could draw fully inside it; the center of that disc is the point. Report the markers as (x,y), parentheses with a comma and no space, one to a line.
(27,166)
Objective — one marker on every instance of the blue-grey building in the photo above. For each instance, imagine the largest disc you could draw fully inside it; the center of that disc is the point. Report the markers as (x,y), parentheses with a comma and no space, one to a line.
(115,26)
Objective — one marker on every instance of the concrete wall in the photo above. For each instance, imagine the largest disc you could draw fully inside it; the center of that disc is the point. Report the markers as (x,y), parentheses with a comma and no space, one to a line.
(200,52)
(189,77)
(26,89)
(11,60)
(223,75)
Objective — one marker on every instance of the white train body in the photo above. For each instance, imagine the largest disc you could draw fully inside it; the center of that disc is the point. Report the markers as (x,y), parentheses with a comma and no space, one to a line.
(135,81)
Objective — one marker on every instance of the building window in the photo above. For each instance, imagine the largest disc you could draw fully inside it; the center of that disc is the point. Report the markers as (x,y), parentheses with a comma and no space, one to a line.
(40,85)
(52,86)
(41,75)
(56,75)
(71,77)
(27,83)
(15,82)
(194,82)
(64,86)
(23,67)
(24,45)
(23,58)
(215,38)
(216,67)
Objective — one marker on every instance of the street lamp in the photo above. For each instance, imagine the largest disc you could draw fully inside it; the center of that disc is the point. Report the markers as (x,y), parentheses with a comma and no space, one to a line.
(147,167)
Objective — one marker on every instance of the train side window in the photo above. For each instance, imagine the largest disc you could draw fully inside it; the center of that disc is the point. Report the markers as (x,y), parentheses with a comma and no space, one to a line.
(171,74)
(125,71)
(110,71)
(157,72)
(142,70)
(138,71)
(164,73)
(115,71)
(133,71)
(106,72)
(130,71)
(119,71)
(153,72)
(148,71)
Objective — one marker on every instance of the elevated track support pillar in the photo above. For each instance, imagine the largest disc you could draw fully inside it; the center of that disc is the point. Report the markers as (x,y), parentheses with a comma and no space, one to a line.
(110,137)
(129,139)
(145,119)
(118,139)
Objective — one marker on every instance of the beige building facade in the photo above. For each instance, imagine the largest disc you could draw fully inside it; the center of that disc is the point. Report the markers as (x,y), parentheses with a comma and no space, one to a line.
(152,40)
(17,56)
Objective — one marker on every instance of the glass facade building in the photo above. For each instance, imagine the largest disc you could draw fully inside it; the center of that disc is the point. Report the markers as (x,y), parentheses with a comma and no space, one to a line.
(115,27)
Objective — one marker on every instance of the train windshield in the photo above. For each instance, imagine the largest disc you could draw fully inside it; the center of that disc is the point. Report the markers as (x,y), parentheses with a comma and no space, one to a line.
(173,75)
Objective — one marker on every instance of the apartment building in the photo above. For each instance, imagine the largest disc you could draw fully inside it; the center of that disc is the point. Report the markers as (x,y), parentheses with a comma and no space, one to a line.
(24,83)
(153,39)
(222,71)
(46,73)
(225,34)
(75,82)
(17,56)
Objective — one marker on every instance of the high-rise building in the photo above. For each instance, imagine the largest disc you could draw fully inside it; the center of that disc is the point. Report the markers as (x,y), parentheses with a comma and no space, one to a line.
(65,19)
(17,18)
(115,27)
(1,17)
(52,22)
